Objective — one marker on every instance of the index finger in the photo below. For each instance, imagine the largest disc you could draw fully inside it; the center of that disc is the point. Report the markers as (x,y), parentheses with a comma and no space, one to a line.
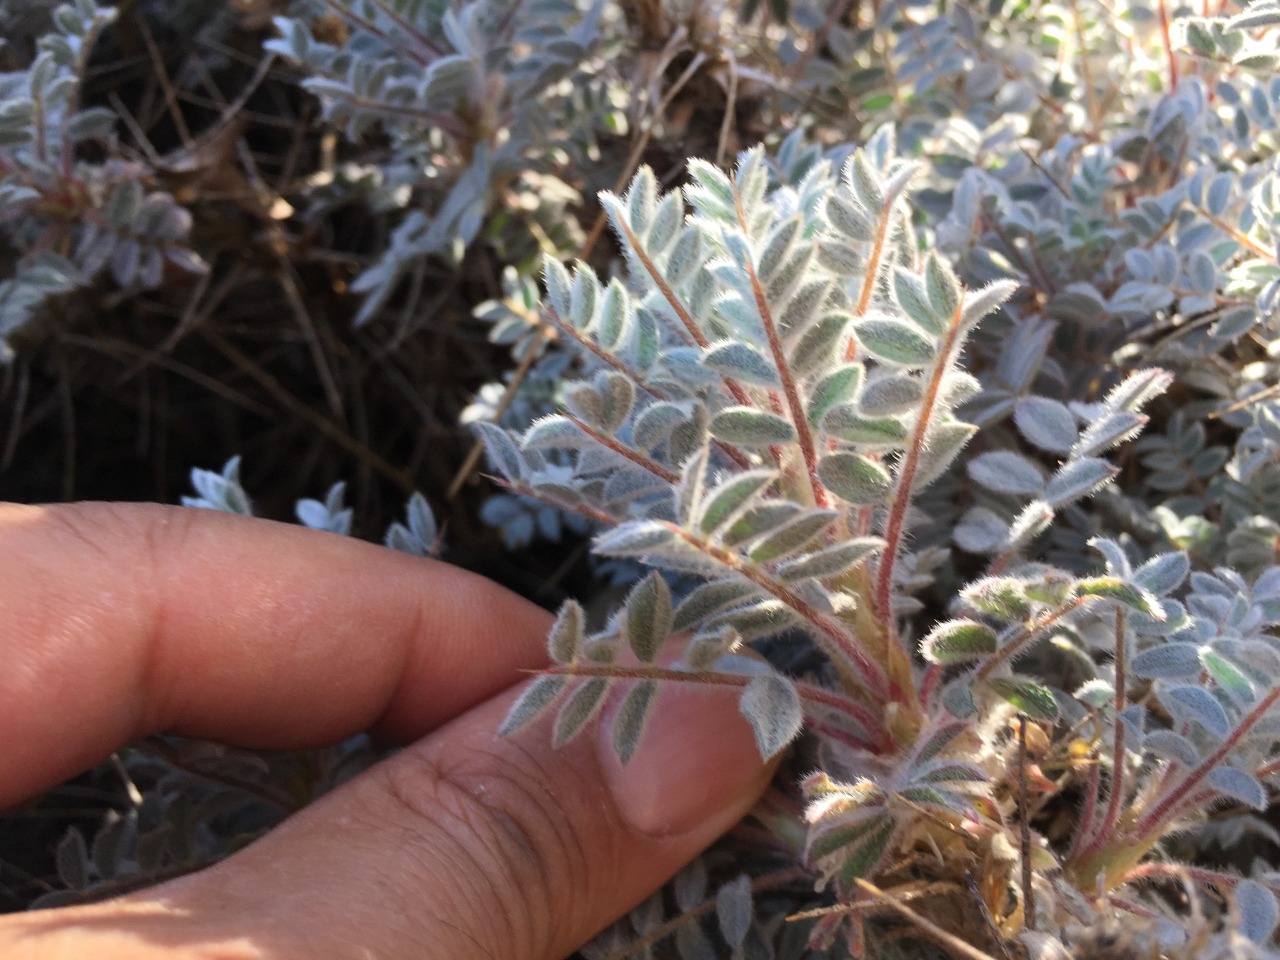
(118,620)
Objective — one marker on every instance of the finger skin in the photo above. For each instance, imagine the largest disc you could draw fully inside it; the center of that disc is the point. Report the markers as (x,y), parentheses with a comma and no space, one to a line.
(461,847)
(123,620)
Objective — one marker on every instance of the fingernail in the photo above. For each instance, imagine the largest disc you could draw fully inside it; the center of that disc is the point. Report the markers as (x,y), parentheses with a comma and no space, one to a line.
(697,762)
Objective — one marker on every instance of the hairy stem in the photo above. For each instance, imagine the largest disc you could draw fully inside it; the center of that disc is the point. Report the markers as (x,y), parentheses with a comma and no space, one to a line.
(1116,794)
(834,639)
(902,493)
(622,450)
(795,407)
(811,693)
(692,332)
(1168,807)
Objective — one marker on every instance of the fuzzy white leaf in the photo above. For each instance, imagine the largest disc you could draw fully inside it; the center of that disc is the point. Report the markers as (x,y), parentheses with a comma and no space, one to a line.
(633,713)
(711,598)
(772,707)
(734,910)
(1172,746)
(578,708)
(1006,472)
(502,451)
(1048,424)
(889,339)
(1164,573)
(978,303)
(1258,910)
(567,633)
(1185,701)
(648,616)
(1167,661)
(1238,785)
(1078,478)
(739,362)
(830,562)
(539,695)
(749,427)
(855,478)
(889,396)
(730,498)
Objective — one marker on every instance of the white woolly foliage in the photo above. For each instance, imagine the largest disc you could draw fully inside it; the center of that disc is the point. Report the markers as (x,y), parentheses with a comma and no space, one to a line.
(73,221)
(768,434)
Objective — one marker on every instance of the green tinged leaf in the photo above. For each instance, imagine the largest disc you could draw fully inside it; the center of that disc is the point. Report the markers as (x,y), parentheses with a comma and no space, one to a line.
(888,396)
(566,635)
(539,695)
(727,500)
(839,385)
(711,598)
(847,423)
(855,478)
(580,707)
(633,714)
(862,858)
(1113,588)
(820,344)
(1004,597)
(958,641)
(655,424)
(1028,697)
(749,427)
(909,291)
(829,840)
(888,339)
(830,562)
(648,616)
(792,535)
(1228,676)
(942,286)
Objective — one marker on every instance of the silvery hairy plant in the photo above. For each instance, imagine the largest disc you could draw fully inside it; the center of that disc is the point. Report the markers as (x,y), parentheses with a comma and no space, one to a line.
(763,400)
(72,220)
(480,102)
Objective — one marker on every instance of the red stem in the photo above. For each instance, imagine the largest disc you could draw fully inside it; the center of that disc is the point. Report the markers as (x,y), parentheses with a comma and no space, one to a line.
(794,405)
(1168,44)
(622,450)
(691,330)
(834,639)
(906,478)
(1117,748)
(1168,806)
(812,693)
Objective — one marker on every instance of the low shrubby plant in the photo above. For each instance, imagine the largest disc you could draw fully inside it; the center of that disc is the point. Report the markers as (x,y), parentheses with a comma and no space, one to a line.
(763,401)
(73,219)
(944,425)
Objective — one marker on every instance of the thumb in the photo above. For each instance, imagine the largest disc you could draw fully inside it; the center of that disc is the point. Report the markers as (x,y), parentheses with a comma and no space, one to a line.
(465,845)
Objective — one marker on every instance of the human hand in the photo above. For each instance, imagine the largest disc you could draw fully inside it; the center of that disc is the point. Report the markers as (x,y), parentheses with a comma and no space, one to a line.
(120,621)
